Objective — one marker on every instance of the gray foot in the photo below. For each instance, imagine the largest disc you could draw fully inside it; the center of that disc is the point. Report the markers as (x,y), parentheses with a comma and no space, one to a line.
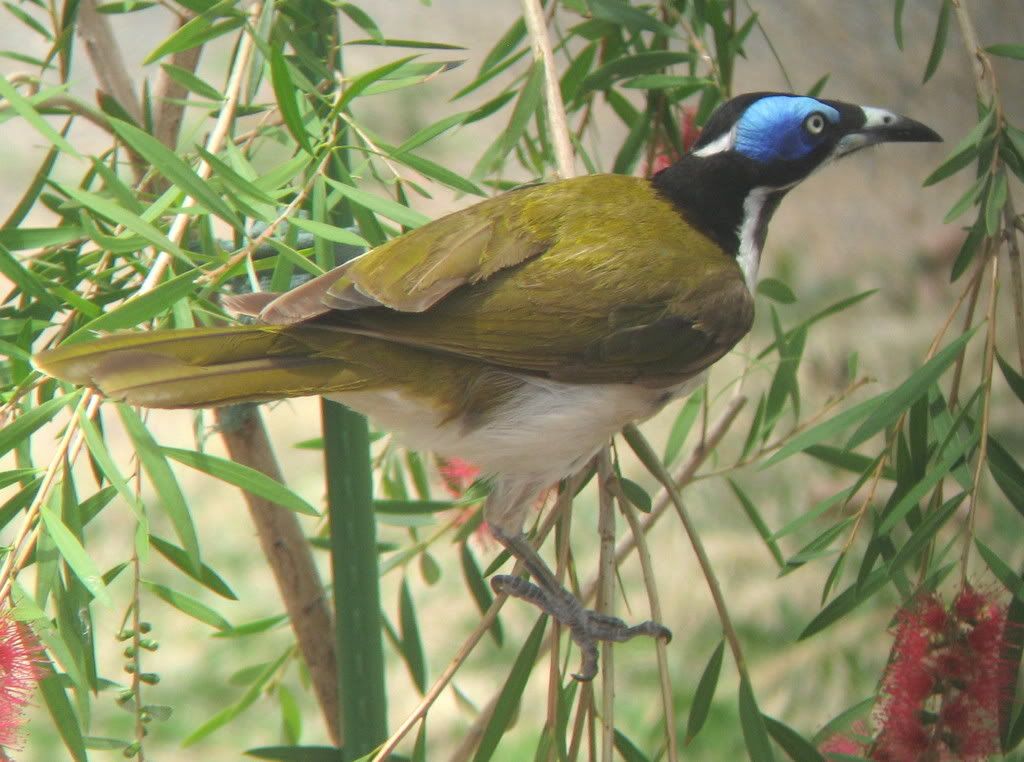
(587,628)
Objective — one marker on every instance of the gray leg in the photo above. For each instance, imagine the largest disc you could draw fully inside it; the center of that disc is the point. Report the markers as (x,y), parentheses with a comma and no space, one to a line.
(586,627)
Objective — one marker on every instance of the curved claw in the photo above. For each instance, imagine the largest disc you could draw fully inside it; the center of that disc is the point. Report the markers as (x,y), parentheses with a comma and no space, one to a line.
(587,628)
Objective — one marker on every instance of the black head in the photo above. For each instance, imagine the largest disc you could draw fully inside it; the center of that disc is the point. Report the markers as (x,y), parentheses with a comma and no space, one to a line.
(782,138)
(757,146)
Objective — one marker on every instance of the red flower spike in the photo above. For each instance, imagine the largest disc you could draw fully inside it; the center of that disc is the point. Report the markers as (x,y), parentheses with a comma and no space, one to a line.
(20,657)
(946,677)
(458,474)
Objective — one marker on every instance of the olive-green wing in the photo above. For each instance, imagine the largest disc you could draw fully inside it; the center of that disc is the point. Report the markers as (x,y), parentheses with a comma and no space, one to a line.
(624,290)
(597,278)
(413,272)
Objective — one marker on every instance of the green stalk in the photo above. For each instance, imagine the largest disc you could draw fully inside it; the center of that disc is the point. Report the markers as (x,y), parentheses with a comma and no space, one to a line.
(349,473)
(355,571)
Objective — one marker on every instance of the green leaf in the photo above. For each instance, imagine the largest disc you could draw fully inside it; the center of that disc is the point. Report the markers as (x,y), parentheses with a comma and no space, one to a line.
(1007,50)
(287,97)
(832,309)
(935,474)
(622,14)
(846,602)
(795,745)
(897,22)
(627,749)
(636,494)
(112,211)
(939,41)
(248,698)
(191,82)
(175,169)
(681,427)
(776,290)
(411,644)
(630,66)
(759,524)
(413,507)
(705,692)
(360,83)
(75,556)
(1002,571)
(56,699)
(363,21)
(934,520)
(297,753)
(192,34)
(154,463)
(188,605)
(21,238)
(479,589)
(755,735)
(434,171)
(994,204)
(134,311)
(1007,473)
(505,46)
(21,428)
(507,703)
(393,210)
(904,395)
(329,232)
(1013,378)
(244,477)
(26,111)
(206,576)
(964,152)
(526,106)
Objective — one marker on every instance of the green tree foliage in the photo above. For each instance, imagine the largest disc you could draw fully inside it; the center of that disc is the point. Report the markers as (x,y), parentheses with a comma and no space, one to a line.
(281,170)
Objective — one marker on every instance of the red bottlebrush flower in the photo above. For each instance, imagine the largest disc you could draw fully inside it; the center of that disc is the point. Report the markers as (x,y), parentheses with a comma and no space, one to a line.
(853,743)
(458,474)
(946,675)
(665,155)
(19,673)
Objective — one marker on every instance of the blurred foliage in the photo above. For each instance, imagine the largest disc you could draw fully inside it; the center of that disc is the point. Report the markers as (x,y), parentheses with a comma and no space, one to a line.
(148,229)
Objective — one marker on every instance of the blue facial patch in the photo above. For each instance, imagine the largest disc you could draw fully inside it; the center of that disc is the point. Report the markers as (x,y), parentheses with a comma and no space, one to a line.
(772,128)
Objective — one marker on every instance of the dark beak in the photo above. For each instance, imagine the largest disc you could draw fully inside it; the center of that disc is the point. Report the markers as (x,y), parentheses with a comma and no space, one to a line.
(881,126)
(900,129)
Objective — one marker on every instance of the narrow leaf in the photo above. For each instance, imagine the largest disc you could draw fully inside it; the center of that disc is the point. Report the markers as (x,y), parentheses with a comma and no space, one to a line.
(75,556)
(188,605)
(903,396)
(511,694)
(247,478)
(755,735)
(705,692)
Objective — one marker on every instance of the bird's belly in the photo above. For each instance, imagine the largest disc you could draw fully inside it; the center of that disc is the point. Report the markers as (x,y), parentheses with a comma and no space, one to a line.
(543,432)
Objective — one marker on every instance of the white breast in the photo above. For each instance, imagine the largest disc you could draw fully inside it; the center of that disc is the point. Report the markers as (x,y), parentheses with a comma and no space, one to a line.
(546,431)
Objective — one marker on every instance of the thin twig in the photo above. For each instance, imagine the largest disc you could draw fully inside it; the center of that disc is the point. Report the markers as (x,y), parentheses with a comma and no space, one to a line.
(650,460)
(559,128)
(460,656)
(661,648)
(176,232)
(105,54)
(606,598)
(169,95)
(986,380)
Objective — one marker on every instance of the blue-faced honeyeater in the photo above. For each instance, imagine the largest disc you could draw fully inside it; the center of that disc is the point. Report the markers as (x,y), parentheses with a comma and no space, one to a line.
(523,332)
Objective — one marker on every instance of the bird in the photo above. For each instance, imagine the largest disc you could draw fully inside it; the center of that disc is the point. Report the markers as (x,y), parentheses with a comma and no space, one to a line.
(523,332)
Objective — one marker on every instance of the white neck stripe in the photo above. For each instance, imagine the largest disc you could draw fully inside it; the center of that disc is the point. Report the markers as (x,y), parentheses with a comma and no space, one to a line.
(749,255)
(718,145)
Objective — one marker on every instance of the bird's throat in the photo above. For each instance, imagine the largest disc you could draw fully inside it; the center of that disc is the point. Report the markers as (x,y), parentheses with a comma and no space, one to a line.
(719,195)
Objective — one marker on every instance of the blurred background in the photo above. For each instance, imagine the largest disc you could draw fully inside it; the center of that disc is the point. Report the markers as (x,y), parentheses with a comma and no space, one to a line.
(864,224)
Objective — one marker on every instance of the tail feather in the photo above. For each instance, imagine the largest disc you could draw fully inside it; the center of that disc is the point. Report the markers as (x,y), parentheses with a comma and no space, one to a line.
(205,367)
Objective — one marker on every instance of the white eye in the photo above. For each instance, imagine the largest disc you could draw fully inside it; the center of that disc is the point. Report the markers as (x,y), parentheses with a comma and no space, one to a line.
(815,123)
